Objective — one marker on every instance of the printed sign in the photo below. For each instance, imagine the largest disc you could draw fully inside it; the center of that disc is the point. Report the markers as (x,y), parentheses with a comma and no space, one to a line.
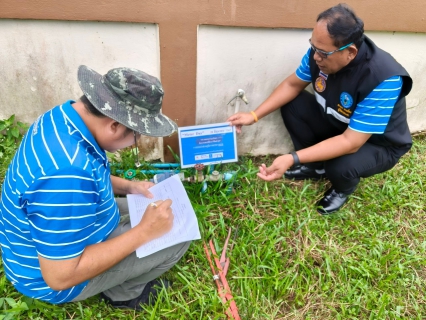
(207,144)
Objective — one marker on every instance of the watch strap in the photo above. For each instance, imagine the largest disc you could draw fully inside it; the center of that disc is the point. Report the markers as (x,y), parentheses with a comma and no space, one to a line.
(295,158)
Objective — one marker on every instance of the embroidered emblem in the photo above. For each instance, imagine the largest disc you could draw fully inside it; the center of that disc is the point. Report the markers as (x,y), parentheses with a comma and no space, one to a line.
(323,75)
(346,100)
(320,84)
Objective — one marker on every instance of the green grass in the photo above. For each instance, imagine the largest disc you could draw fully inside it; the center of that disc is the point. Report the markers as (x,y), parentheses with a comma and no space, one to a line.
(367,261)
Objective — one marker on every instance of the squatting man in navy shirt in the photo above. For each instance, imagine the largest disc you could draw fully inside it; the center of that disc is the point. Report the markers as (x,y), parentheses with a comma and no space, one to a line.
(64,237)
(355,123)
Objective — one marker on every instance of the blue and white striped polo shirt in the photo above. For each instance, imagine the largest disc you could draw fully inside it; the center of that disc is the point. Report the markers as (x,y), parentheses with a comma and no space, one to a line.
(371,115)
(57,199)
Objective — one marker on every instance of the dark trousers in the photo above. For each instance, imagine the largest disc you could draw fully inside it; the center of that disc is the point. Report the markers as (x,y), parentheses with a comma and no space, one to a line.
(307,124)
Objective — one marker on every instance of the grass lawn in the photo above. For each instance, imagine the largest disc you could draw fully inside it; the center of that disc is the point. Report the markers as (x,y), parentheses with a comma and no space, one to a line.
(288,262)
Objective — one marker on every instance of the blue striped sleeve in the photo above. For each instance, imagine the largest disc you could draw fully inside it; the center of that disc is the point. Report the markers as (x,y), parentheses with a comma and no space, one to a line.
(373,113)
(304,71)
(61,211)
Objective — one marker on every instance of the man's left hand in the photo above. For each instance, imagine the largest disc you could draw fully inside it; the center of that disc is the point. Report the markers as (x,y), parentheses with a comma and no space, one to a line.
(276,169)
(141,187)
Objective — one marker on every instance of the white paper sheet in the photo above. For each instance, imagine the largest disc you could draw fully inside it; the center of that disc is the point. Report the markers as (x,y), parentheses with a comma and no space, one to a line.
(185,224)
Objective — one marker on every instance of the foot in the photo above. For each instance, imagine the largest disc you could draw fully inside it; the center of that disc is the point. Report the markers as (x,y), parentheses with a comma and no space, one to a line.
(304,172)
(148,296)
(332,201)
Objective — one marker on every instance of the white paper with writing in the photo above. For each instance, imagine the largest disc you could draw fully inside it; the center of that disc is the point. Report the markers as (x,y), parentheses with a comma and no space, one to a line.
(185,224)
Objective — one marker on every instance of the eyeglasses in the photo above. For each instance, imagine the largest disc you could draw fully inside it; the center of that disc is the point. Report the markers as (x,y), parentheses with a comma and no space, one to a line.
(325,54)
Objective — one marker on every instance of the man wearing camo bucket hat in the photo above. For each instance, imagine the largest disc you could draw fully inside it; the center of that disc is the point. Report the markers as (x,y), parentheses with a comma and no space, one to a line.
(64,236)
(129,96)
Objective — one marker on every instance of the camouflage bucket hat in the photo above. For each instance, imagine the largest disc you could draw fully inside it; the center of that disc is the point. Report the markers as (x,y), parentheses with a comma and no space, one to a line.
(130,97)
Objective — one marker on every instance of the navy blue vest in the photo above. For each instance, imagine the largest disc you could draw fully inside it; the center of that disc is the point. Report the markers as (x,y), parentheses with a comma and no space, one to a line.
(370,67)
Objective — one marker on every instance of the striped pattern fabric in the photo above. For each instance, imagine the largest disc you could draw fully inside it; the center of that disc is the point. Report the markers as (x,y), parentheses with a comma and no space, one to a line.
(304,71)
(57,199)
(373,113)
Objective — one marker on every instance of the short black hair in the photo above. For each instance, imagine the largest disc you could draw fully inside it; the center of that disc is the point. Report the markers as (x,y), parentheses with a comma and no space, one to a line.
(343,25)
(91,108)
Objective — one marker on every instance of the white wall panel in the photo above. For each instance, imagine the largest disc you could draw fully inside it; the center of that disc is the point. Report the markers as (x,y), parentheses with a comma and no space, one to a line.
(257,60)
(39,61)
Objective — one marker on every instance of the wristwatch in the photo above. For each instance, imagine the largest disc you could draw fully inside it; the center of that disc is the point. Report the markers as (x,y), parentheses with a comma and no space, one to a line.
(295,158)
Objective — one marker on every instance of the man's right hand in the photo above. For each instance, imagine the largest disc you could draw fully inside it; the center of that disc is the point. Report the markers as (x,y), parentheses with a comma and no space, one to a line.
(157,220)
(241,119)
(99,257)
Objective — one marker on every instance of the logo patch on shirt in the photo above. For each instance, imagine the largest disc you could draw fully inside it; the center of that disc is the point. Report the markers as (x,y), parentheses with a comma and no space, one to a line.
(320,84)
(323,75)
(346,100)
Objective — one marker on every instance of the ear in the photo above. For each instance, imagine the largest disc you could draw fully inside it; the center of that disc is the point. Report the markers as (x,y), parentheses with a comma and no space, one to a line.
(353,51)
(111,127)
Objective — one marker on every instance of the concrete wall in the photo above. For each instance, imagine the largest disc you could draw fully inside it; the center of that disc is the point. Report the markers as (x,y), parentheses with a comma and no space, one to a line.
(40,61)
(407,49)
(257,60)
(185,55)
